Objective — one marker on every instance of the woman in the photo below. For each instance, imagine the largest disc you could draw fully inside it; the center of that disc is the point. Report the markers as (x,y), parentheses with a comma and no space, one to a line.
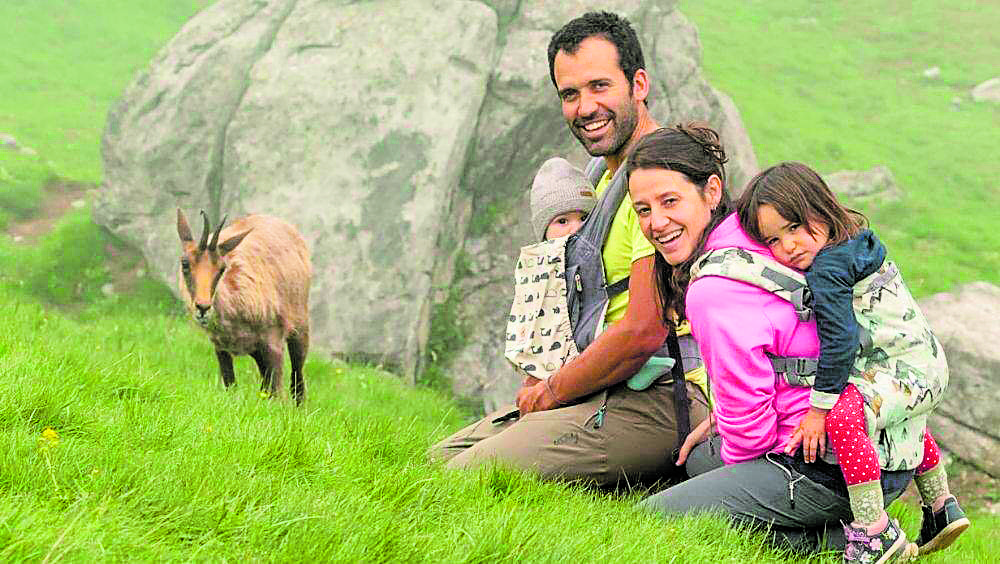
(677,185)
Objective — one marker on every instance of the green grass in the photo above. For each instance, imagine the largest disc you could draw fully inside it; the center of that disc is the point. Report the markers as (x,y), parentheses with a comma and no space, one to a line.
(63,63)
(155,462)
(840,86)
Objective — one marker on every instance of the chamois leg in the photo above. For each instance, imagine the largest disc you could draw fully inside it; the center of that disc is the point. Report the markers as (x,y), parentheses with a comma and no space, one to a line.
(298,347)
(225,367)
(269,361)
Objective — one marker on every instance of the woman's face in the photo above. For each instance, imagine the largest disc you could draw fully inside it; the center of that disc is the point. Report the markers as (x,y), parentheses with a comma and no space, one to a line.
(672,212)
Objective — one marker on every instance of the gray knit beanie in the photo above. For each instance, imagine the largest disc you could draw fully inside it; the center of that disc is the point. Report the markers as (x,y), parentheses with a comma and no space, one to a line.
(559,187)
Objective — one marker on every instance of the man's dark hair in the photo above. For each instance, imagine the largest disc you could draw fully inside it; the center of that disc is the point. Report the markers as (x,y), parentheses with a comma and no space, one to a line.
(611,27)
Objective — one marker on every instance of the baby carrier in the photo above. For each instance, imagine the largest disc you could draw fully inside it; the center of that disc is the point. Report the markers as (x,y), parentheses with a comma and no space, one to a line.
(561,297)
(900,368)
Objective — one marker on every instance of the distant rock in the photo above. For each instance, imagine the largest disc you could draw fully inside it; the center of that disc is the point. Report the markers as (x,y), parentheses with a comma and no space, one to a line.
(7,141)
(967,422)
(988,91)
(933,72)
(873,186)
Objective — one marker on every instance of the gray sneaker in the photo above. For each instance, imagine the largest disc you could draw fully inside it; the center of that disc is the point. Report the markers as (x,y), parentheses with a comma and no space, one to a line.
(939,529)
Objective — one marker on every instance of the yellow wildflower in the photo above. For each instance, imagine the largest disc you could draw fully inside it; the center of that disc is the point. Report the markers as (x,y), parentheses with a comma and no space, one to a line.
(49,438)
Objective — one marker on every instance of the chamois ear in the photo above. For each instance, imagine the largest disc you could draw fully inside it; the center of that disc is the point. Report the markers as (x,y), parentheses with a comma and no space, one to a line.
(183,229)
(230,243)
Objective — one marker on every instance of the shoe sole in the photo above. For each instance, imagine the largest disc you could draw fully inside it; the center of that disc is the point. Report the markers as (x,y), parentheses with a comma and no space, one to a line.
(947,536)
(901,551)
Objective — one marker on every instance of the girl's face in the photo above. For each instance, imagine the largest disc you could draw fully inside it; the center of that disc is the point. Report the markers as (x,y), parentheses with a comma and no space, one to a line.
(791,242)
(672,212)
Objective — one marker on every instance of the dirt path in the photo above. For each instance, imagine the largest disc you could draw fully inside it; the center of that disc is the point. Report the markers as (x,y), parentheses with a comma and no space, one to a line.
(58,198)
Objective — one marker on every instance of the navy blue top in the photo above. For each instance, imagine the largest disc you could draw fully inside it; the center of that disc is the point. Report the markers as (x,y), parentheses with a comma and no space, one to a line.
(831,278)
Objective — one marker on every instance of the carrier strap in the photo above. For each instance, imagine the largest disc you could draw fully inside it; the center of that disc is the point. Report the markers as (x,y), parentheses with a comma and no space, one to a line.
(598,222)
(796,370)
(618,287)
(740,264)
(680,389)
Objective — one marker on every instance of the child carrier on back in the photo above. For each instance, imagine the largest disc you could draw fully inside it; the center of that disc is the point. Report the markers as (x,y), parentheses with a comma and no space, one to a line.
(900,368)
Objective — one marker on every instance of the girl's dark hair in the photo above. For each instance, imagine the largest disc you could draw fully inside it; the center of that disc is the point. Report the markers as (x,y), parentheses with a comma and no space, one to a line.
(695,150)
(799,195)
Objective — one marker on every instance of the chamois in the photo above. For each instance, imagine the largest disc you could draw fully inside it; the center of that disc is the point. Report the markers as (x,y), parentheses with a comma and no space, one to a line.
(250,292)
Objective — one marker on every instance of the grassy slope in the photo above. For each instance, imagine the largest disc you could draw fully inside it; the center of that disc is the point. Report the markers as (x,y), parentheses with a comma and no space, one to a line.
(155,462)
(840,85)
(65,61)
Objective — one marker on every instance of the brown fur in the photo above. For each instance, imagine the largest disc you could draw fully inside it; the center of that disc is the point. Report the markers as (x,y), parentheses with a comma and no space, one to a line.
(261,300)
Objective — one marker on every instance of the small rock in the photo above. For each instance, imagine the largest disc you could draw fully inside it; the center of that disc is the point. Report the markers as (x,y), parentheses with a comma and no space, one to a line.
(933,72)
(18,238)
(875,185)
(7,141)
(78,204)
(29,152)
(108,289)
(140,273)
(988,91)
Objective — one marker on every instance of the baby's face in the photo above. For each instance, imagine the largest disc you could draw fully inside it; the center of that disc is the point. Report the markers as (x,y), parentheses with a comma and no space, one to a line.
(565,224)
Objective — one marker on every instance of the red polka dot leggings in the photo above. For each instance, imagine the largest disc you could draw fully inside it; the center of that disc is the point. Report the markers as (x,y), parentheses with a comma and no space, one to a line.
(845,425)
(932,454)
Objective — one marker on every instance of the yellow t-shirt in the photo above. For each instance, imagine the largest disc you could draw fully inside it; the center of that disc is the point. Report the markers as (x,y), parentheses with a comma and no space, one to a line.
(625,245)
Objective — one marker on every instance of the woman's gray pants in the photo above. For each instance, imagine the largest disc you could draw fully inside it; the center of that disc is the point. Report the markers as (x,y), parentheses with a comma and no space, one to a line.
(801,514)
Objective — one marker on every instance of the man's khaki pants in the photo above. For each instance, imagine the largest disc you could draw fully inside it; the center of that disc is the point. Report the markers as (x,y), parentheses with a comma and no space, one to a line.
(614,436)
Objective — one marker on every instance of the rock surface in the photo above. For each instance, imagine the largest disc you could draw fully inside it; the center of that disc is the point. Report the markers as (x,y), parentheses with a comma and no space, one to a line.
(399,136)
(967,422)
(873,186)
(988,91)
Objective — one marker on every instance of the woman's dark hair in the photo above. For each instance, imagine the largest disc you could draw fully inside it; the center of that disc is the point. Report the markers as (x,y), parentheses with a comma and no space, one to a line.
(695,150)
(799,195)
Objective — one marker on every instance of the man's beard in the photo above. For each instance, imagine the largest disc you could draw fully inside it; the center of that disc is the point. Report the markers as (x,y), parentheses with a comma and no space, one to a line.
(624,125)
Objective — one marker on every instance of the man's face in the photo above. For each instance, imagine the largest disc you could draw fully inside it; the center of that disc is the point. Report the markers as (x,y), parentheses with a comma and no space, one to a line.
(597,100)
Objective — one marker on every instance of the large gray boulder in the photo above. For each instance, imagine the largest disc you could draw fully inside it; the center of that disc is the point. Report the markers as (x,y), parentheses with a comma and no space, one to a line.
(350,120)
(400,136)
(967,422)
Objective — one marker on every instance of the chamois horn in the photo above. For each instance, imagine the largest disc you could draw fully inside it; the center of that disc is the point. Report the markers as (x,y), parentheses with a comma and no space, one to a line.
(204,232)
(215,236)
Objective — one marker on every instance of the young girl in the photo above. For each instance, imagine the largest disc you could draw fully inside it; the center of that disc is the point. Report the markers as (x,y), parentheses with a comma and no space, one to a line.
(790,209)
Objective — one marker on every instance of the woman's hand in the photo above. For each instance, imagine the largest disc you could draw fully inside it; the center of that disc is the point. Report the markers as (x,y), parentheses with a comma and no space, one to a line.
(811,434)
(697,435)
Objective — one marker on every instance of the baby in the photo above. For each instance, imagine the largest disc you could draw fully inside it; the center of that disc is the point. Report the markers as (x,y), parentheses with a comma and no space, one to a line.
(561,198)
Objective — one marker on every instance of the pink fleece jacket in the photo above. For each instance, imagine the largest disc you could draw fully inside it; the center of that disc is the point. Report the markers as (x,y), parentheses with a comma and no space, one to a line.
(735,324)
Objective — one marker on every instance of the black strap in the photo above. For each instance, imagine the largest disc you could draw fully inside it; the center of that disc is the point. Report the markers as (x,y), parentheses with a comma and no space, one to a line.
(680,389)
(618,287)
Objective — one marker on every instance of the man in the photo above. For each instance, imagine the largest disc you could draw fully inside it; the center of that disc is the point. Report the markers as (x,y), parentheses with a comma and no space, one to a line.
(584,422)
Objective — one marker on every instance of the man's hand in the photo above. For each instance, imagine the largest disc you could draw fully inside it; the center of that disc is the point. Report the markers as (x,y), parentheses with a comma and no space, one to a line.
(811,433)
(697,435)
(536,397)
(529,380)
